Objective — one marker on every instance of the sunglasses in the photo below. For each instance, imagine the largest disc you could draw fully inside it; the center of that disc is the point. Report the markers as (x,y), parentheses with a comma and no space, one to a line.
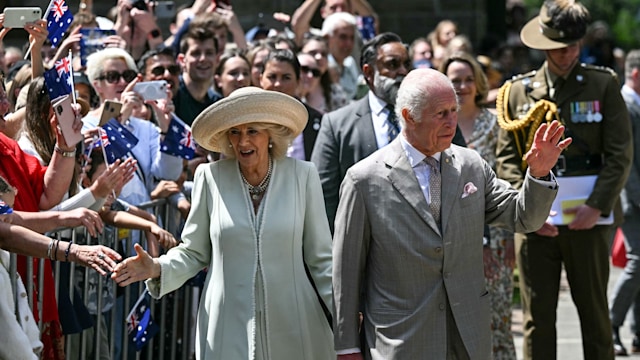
(159,70)
(113,76)
(315,72)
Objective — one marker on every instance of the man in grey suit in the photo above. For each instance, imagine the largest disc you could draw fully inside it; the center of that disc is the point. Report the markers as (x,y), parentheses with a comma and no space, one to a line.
(415,264)
(627,290)
(354,132)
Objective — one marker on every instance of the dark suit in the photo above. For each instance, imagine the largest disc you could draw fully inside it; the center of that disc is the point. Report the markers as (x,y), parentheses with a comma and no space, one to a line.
(310,132)
(584,253)
(346,137)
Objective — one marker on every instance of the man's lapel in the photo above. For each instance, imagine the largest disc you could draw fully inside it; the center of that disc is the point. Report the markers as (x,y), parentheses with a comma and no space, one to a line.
(364,130)
(403,179)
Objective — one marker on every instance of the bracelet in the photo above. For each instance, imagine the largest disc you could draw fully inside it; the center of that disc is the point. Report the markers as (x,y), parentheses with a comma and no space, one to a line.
(66,252)
(68,154)
(55,253)
(49,249)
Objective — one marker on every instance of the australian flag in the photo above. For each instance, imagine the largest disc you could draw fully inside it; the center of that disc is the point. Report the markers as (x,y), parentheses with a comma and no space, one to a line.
(4,208)
(140,324)
(116,140)
(178,141)
(59,17)
(58,79)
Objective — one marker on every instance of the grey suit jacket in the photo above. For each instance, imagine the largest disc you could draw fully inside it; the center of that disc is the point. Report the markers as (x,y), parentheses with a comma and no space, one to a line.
(630,196)
(389,252)
(346,137)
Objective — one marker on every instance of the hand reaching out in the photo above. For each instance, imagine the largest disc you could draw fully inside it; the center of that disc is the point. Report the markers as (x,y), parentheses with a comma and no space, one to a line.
(136,268)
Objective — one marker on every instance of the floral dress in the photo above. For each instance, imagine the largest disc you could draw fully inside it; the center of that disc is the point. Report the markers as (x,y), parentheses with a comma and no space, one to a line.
(500,284)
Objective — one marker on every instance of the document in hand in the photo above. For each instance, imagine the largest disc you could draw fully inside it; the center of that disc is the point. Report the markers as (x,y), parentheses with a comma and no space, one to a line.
(573,191)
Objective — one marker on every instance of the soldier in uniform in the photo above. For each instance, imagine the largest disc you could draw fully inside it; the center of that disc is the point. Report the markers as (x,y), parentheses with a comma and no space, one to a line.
(587,100)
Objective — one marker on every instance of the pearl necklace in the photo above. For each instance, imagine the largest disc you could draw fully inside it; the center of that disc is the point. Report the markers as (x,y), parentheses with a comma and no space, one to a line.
(257,191)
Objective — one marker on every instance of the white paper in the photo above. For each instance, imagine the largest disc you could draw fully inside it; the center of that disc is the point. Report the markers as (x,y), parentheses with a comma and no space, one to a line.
(573,190)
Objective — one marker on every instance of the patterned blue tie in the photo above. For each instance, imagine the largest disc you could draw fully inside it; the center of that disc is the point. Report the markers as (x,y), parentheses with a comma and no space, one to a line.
(394,127)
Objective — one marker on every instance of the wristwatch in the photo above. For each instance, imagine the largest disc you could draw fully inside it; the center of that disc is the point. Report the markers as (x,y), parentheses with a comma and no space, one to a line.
(543,178)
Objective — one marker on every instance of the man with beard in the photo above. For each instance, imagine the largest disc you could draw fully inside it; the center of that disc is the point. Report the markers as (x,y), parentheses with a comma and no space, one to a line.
(354,132)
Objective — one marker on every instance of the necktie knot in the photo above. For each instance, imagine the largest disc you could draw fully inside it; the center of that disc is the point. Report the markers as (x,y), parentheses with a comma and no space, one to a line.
(431,161)
(394,127)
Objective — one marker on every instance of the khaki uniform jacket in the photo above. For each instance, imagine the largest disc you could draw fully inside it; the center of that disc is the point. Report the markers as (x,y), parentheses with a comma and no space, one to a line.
(586,88)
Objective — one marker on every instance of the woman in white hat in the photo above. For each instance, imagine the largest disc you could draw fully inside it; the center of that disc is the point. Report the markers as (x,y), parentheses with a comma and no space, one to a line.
(257,220)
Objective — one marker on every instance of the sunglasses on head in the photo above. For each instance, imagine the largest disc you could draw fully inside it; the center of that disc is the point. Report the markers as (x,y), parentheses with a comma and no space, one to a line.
(314,72)
(159,70)
(113,76)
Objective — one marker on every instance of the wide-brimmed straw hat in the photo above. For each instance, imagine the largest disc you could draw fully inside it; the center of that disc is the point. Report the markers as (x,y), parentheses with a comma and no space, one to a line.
(244,106)
(543,33)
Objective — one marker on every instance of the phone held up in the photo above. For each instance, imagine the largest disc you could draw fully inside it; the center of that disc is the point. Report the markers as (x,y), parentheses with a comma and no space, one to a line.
(152,90)
(66,117)
(110,110)
(17,17)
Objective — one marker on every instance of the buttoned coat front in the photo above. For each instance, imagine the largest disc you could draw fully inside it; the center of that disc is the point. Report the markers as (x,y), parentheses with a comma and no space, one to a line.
(220,234)
(388,245)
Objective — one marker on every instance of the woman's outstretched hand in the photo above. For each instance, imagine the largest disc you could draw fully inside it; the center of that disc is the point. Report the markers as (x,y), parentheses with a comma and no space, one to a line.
(136,268)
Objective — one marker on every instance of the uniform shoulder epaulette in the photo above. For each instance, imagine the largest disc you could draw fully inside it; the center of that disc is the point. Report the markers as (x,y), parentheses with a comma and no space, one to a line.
(523,76)
(604,69)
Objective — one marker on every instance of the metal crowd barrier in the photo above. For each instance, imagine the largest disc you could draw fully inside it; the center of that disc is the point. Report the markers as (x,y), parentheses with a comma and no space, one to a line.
(176,336)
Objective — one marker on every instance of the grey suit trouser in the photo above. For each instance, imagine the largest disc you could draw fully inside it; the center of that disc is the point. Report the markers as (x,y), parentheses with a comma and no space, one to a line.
(627,290)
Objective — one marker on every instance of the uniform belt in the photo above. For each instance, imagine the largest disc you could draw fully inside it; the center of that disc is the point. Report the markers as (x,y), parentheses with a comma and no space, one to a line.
(579,165)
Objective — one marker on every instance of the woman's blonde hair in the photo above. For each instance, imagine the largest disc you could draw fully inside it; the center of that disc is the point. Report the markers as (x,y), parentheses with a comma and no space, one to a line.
(279,139)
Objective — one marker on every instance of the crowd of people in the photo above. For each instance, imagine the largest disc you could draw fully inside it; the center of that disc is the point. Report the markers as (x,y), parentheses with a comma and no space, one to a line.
(349,193)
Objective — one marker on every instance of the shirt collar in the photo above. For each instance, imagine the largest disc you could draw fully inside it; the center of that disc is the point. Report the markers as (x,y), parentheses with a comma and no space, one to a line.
(376,104)
(630,92)
(414,155)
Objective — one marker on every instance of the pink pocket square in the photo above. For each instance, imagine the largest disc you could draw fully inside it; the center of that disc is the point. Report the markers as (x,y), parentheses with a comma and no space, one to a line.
(469,189)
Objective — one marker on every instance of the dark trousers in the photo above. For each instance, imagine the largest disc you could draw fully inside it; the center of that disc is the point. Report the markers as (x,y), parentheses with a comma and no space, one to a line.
(585,255)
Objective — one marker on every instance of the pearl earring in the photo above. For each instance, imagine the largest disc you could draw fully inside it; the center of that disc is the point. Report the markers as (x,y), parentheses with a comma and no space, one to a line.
(230,145)
(270,145)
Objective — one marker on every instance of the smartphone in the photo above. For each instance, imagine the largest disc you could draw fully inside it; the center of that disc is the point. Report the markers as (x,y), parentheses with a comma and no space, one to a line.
(164,9)
(17,17)
(222,2)
(139,4)
(110,110)
(151,90)
(66,117)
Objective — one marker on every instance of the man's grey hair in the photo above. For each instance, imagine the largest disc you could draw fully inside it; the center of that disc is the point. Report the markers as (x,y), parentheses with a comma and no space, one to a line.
(414,95)
(631,62)
(336,20)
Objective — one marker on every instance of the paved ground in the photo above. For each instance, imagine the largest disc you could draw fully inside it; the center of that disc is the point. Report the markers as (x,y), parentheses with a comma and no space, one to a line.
(569,340)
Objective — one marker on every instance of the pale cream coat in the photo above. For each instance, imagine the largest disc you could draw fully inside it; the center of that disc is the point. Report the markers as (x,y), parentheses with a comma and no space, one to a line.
(219,234)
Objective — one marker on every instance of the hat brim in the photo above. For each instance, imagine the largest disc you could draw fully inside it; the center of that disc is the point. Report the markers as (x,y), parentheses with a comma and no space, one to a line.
(245,106)
(532,36)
